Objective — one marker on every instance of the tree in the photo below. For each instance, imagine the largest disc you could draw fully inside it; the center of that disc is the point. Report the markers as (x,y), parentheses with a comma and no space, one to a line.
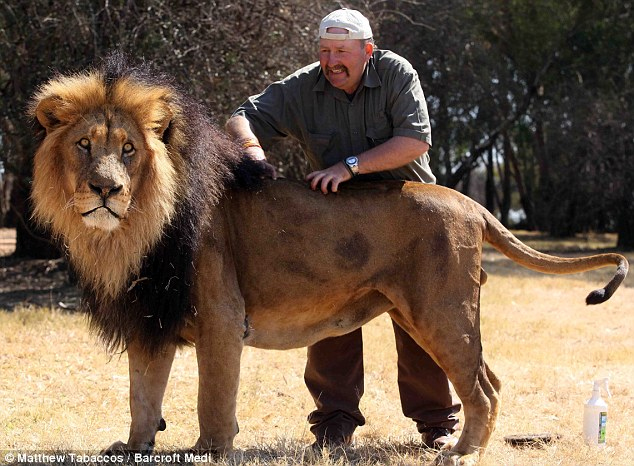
(538,91)
(539,84)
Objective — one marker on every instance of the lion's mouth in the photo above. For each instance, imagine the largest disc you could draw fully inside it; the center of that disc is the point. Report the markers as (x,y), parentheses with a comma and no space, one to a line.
(102,218)
(112,212)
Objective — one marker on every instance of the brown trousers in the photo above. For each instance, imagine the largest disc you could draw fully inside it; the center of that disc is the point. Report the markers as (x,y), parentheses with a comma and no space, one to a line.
(334,377)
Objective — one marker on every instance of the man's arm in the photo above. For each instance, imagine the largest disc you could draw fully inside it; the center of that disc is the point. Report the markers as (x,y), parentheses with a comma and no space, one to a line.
(393,153)
(239,130)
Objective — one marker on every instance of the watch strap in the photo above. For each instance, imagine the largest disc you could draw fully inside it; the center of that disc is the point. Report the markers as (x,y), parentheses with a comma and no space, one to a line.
(352,168)
(345,164)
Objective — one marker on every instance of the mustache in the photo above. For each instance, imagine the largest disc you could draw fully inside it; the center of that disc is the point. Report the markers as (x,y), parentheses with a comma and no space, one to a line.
(337,68)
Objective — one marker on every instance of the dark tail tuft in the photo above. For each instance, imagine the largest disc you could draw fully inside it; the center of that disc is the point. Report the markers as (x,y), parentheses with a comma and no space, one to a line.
(598,296)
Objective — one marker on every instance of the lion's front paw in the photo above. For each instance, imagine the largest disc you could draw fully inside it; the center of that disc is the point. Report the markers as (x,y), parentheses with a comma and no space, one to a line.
(120,447)
(451,458)
(213,448)
(116,447)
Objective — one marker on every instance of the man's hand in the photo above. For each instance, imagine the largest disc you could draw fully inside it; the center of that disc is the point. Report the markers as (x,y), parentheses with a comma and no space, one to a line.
(256,154)
(239,129)
(395,152)
(329,179)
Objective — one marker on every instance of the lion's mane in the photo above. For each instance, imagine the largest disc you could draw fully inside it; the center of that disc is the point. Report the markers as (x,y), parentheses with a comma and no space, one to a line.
(136,279)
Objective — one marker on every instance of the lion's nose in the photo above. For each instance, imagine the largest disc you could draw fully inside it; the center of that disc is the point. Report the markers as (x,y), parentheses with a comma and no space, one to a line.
(105,191)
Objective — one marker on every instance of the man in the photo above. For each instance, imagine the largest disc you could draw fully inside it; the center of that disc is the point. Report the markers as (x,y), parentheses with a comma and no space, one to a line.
(359,113)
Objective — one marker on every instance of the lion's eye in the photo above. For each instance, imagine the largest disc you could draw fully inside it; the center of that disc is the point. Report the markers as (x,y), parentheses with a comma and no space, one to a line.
(84,143)
(128,148)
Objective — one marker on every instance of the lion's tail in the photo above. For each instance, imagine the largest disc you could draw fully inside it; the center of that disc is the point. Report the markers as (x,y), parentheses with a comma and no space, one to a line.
(505,242)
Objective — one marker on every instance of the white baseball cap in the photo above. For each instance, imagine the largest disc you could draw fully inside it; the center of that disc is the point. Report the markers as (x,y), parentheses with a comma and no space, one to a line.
(355,23)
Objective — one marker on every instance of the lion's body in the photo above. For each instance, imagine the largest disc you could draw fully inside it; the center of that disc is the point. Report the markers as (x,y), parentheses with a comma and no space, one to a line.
(170,248)
(311,266)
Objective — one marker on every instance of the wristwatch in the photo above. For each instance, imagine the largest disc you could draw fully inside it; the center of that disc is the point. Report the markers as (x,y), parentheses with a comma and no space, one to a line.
(352,164)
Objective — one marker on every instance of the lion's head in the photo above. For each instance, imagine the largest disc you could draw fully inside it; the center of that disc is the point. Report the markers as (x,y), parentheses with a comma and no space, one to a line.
(104,175)
(127,167)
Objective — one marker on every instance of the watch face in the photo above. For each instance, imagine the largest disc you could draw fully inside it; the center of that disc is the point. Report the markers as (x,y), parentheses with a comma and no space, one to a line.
(353,165)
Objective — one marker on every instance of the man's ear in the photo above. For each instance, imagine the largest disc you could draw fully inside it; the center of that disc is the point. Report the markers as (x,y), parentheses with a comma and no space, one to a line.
(369,48)
(47,112)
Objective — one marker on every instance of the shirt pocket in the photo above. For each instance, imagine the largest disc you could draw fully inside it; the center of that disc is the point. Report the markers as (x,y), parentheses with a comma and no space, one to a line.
(378,129)
(318,147)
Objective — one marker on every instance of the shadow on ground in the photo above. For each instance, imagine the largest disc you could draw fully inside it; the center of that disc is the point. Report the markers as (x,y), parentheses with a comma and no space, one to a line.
(285,451)
(36,282)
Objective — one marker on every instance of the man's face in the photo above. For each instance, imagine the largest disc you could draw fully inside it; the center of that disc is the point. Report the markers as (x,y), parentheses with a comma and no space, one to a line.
(343,61)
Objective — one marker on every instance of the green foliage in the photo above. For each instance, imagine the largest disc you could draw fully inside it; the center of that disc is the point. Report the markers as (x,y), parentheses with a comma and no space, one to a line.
(543,86)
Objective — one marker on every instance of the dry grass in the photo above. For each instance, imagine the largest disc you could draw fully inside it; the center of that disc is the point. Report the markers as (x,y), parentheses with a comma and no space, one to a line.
(60,391)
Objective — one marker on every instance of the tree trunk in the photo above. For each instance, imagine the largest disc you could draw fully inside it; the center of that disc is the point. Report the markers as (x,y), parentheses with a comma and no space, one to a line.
(466,184)
(6,186)
(489,186)
(31,240)
(625,226)
(505,175)
(526,195)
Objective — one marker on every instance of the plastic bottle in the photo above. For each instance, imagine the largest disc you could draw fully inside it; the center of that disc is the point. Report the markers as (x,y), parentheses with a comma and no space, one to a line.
(595,415)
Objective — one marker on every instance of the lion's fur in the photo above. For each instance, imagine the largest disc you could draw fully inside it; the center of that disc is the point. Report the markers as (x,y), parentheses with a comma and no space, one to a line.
(168,245)
(192,163)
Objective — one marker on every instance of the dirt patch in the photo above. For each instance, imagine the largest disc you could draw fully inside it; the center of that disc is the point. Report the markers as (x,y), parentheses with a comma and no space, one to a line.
(36,282)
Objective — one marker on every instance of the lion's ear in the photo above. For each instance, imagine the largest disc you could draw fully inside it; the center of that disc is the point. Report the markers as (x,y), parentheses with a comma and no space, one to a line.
(47,112)
(161,119)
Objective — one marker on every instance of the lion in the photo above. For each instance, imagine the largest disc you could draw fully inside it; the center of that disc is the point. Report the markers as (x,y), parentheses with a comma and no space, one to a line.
(176,239)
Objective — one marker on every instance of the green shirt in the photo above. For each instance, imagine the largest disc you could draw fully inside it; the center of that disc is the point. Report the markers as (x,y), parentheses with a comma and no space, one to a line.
(330,127)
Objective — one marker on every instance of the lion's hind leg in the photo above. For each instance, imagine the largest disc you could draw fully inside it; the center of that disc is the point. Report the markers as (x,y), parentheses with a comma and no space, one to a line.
(148,379)
(454,343)
(480,399)
(478,390)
